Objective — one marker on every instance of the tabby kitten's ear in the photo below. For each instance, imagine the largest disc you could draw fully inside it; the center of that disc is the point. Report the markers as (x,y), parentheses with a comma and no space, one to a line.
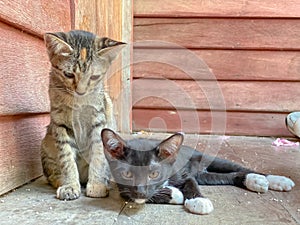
(113,144)
(56,46)
(169,148)
(109,48)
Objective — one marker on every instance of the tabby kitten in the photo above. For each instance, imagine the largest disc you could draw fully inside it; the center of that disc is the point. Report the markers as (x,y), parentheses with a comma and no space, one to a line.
(168,172)
(72,151)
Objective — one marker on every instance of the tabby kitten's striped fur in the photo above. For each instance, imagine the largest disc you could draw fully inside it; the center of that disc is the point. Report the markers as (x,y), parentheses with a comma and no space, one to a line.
(72,152)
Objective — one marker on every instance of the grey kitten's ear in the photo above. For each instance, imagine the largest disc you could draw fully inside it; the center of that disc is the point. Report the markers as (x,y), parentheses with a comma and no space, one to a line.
(169,148)
(56,46)
(113,144)
(109,48)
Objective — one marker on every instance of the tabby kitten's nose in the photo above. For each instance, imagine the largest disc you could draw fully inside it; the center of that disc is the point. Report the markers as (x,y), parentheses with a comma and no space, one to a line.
(80,93)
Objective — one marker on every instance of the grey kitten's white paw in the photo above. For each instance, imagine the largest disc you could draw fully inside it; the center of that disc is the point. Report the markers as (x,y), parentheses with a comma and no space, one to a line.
(280,183)
(199,205)
(256,182)
(176,195)
(96,190)
(68,192)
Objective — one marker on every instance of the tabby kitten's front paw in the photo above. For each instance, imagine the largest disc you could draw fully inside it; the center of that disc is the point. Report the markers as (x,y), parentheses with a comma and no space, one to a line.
(68,192)
(199,205)
(97,190)
(280,183)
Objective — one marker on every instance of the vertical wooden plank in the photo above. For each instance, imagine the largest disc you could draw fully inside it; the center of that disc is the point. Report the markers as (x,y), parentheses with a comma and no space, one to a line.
(112,18)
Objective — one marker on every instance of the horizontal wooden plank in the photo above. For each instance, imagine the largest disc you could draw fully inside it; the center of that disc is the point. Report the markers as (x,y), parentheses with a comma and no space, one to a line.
(219,33)
(206,122)
(217,95)
(37,16)
(25,70)
(20,139)
(216,64)
(217,8)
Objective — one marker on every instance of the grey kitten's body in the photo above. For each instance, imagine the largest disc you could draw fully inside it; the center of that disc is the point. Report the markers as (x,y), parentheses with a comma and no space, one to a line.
(72,151)
(168,172)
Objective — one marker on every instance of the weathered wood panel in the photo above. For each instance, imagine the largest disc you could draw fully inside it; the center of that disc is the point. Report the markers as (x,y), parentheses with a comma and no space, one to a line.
(112,19)
(20,138)
(222,64)
(217,8)
(37,16)
(206,122)
(24,77)
(212,95)
(275,34)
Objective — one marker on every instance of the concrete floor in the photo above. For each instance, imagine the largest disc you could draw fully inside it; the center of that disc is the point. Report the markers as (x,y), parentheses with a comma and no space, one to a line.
(35,203)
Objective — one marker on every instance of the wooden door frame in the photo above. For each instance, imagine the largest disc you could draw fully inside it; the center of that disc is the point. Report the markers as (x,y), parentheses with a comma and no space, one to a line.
(113,19)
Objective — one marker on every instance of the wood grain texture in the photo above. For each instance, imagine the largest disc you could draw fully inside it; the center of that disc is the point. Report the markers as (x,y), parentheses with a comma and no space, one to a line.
(218,64)
(206,122)
(112,19)
(213,95)
(217,8)
(275,34)
(24,77)
(37,16)
(20,139)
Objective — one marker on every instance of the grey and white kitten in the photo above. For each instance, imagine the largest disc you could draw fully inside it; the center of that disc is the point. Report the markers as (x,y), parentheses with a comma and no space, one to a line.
(166,171)
(72,151)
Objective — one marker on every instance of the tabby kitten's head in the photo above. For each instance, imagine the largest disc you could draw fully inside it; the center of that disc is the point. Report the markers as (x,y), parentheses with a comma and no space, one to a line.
(140,166)
(79,59)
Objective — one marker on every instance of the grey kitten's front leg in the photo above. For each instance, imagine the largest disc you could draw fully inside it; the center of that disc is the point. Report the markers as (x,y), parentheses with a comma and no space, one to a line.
(167,195)
(194,201)
(70,187)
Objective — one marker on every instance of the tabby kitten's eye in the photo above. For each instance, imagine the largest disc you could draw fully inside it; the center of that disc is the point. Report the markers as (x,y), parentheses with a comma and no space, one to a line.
(126,174)
(153,174)
(69,75)
(95,77)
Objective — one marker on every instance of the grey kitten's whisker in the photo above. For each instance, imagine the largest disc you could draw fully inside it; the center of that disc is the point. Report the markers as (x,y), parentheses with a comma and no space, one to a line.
(123,207)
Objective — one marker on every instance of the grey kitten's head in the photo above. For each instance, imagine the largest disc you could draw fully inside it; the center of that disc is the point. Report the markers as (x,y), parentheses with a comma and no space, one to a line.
(140,166)
(79,59)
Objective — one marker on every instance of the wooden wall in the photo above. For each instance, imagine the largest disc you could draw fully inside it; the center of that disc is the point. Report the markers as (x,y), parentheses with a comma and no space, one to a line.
(24,67)
(252,50)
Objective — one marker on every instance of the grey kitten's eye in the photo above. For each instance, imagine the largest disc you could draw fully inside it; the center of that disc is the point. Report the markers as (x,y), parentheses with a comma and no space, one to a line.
(69,75)
(126,174)
(95,77)
(154,174)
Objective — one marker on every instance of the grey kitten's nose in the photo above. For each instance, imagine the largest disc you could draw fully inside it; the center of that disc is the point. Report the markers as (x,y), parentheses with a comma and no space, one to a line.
(140,192)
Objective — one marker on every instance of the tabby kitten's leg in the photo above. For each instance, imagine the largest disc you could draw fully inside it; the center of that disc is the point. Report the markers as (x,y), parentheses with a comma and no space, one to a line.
(98,168)
(70,187)
(49,157)
(194,201)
